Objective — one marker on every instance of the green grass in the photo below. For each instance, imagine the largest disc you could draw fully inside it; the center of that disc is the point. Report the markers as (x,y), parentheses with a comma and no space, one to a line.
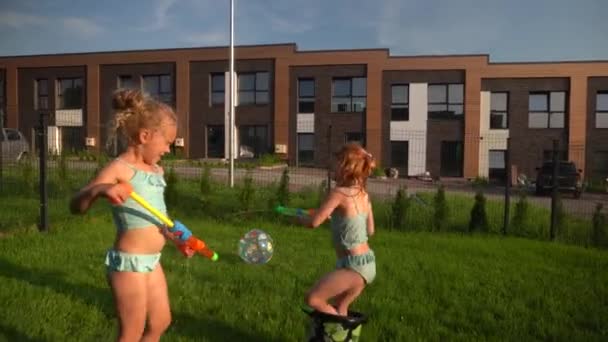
(430,286)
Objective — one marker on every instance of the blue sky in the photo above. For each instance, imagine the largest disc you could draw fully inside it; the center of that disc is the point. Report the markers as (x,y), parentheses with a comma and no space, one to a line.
(508,30)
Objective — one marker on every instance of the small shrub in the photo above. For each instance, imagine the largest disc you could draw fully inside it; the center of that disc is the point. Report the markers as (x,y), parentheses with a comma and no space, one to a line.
(171,189)
(269,159)
(282,195)
(205,181)
(399,209)
(598,232)
(440,210)
(246,192)
(322,192)
(479,217)
(519,224)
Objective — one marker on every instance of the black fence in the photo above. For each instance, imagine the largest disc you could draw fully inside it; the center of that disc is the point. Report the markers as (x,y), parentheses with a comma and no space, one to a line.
(36,165)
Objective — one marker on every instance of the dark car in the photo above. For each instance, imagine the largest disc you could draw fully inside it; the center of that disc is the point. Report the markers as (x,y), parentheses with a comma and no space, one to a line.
(568,178)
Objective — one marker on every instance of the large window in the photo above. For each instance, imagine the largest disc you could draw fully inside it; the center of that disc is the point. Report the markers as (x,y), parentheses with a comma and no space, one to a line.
(2,104)
(160,87)
(601,110)
(306,148)
(127,82)
(69,93)
(218,84)
(547,109)
(253,141)
(600,163)
(215,141)
(497,165)
(349,95)
(306,95)
(41,100)
(253,88)
(446,100)
(354,137)
(499,110)
(400,99)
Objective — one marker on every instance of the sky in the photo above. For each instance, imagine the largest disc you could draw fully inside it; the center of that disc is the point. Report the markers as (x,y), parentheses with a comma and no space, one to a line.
(507,30)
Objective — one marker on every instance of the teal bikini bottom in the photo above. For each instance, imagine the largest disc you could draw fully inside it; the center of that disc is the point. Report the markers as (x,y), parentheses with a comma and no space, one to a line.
(117,261)
(364,264)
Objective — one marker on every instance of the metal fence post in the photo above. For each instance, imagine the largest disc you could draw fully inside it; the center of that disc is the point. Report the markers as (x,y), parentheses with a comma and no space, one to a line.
(507,187)
(42,134)
(554,189)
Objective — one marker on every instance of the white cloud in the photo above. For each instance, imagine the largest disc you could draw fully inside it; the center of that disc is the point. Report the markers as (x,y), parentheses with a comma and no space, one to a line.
(82,27)
(161,16)
(205,39)
(20,20)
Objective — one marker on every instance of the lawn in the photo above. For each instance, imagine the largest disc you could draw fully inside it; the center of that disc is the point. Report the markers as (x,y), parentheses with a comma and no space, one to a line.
(430,286)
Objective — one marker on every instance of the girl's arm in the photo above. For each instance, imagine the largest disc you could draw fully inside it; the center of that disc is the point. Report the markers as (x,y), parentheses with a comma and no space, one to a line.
(333,200)
(104,184)
(370,219)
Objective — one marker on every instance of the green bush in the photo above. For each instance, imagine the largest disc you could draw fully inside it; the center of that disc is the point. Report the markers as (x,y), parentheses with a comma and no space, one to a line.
(479,217)
(399,209)
(598,233)
(205,181)
(440,210)
(246,192)
(171,192)
(519,224)
(282,195)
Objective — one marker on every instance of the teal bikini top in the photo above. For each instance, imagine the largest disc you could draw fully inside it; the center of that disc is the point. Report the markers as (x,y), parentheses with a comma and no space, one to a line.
(349,232)
(150,186)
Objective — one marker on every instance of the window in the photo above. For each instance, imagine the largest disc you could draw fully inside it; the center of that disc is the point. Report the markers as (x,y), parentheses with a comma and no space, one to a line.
(127,82)
(42,94)
(306,95)
(215,141)
(253,88)
(353,137)
(446,100)
(600,159)
(499,110)
(497,167)
(159,87)
(349,95)
(547,109)
(1,104)
(400,156)
(400,102)
(306,148)
(69,93)
(253,141)
(217,88)
(601,110)
(1,94)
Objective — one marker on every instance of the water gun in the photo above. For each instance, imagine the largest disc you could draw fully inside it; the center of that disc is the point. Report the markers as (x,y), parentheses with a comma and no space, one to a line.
(287,211)
(192,243)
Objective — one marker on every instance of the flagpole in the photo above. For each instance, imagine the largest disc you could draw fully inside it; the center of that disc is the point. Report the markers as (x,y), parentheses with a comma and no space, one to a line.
(231,96)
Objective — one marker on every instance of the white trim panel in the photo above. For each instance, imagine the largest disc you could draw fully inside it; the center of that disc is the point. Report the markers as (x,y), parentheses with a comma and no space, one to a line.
(491,139)
(415,130)
(306,123)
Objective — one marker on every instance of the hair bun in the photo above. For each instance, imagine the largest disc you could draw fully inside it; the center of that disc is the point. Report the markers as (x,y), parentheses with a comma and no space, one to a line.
(128,100)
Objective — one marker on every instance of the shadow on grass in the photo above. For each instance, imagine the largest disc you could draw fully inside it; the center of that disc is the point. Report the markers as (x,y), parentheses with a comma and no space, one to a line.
(11,334)
(185,325)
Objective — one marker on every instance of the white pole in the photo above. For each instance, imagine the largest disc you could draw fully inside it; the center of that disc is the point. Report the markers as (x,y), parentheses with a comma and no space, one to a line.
(231,82)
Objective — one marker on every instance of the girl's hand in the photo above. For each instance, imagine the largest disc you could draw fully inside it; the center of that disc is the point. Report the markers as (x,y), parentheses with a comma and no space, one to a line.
(117,194)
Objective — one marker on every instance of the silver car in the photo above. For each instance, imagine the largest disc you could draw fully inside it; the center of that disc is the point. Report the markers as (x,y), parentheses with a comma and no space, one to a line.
(14,145)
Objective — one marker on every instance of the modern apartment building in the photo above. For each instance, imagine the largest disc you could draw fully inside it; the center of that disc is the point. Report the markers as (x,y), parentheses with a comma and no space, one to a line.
(449,115)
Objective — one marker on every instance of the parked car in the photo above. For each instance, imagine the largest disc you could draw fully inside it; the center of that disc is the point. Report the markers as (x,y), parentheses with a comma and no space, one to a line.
(568,178)
(14,145)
